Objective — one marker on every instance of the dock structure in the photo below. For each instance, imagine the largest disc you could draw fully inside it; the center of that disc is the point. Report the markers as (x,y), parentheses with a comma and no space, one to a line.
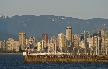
(63,57)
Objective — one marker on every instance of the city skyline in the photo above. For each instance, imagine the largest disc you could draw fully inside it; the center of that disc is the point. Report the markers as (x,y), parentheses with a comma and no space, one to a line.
(70,8)
(67,42)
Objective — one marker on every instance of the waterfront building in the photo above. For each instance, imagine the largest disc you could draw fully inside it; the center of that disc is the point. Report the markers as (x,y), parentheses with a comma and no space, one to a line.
(54,43)
(69,38)
(16,46)
(86,35)
(96,45)
(0,44)
(3,46)
(69,34)
(13,45)
(27,42)
(82,36)
(51,47)
(61,42)
(92,44)
(22,40)
(45,39)
(39,45)
(76,40)
(32,41)
(81,44)
(106,51)
(10,44)
(104,43)
(103,32)
(104,38)
(53,39)
(90,41)
(44,46)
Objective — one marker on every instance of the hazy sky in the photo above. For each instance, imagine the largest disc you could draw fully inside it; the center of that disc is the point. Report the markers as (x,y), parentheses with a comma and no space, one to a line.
(83,9)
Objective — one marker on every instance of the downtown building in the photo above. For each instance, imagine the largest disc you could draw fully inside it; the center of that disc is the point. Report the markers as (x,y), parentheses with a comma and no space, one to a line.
(22,40)
(69,42)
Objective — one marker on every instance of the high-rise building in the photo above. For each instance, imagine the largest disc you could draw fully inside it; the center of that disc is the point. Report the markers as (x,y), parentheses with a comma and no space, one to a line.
(69,38)
(53,39)
(39,44)
(0,44)
(86,35)
(3,46)
(69,33)
(27,42)
(12,45)
(82,36)
(61,41)
(22,39)
(75,40)
(32,40)
(45,39)
(53,43)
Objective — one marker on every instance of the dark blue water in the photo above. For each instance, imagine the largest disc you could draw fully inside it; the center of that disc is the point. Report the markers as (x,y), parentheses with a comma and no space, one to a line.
(16,62)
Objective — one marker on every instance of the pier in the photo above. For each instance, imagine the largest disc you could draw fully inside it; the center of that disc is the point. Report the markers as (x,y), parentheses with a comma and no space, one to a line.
(64,57)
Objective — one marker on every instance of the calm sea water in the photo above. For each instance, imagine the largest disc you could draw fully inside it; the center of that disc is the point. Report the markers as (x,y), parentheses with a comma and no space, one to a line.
(16,62)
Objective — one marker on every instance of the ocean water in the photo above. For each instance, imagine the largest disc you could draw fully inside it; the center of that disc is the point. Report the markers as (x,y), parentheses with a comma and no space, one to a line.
(10,61)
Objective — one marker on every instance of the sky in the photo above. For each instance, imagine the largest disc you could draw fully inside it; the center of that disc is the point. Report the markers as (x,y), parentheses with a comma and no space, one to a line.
(82,9)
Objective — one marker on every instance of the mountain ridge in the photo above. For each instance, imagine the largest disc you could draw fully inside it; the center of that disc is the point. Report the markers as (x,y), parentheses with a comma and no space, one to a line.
(53,25)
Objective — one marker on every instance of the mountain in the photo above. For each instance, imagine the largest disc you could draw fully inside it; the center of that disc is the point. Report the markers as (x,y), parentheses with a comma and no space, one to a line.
(36,25)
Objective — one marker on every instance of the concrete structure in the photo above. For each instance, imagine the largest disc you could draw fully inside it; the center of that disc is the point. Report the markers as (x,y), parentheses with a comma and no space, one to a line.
(53,43)
(69,38)
(90,41)
(81,44)
(45,39)
(39,44)
(22,40)
(27,42)
(53,39)
(16,46)
(94,45)
(51,47)
(0,44)
(61,41)
(75,40)
(3,46)
(104,43)
(13,45)
(69,33)
(103,32)
(32,40)
(10,43)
